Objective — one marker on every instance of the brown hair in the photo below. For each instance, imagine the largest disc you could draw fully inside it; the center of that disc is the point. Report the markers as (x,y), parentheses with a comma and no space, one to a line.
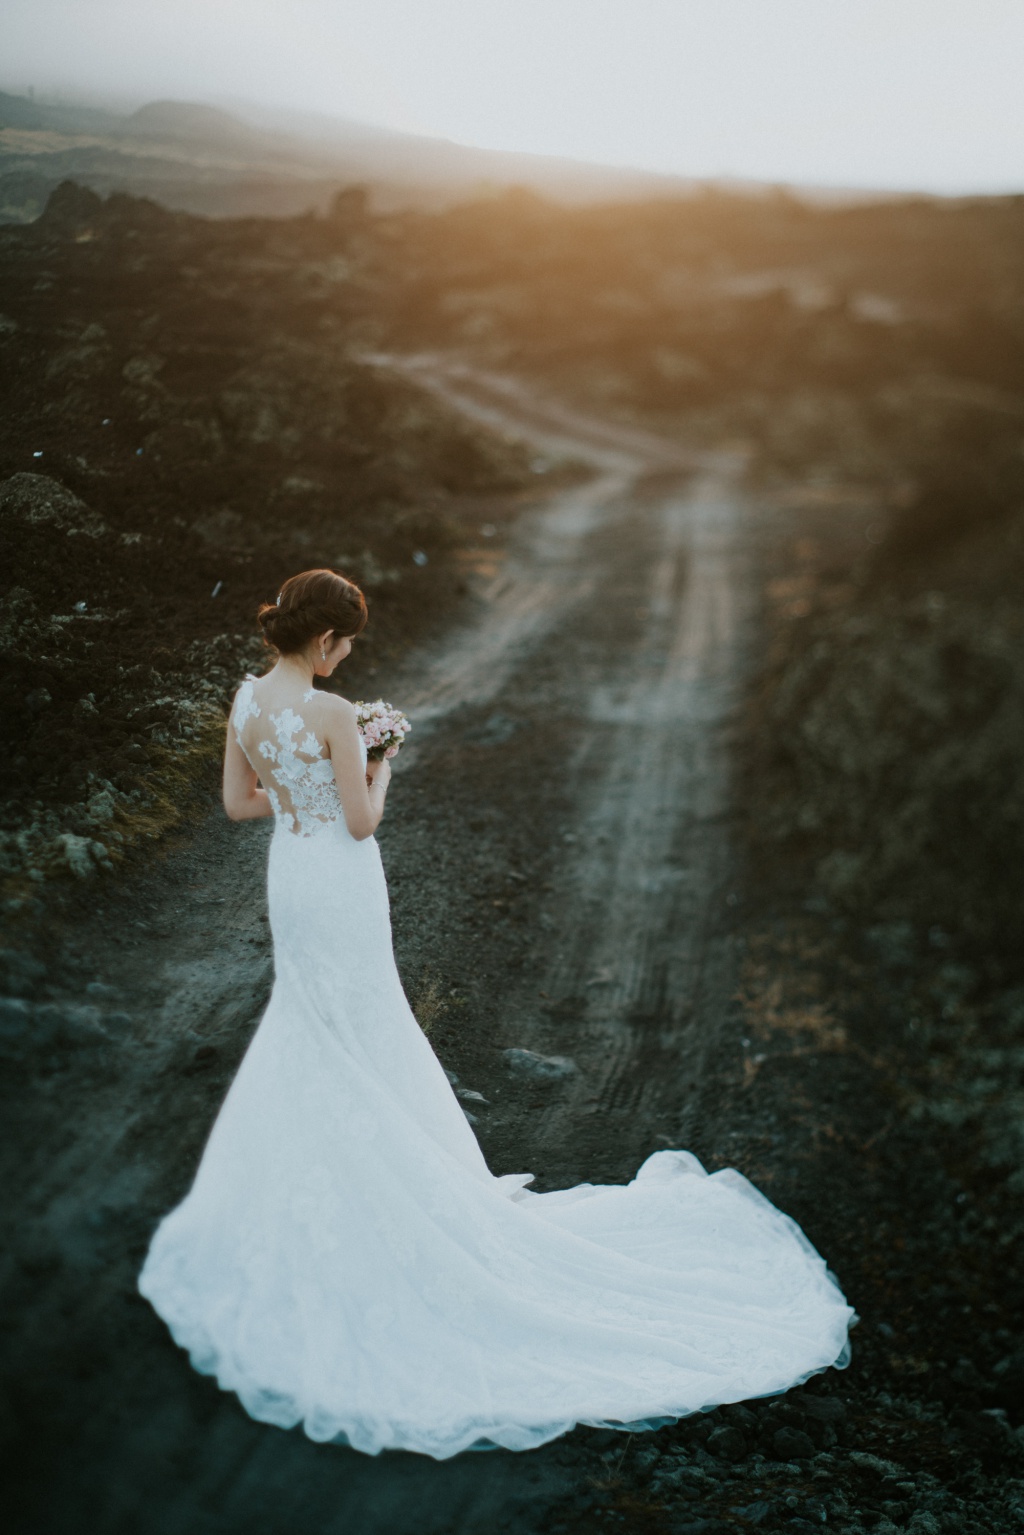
(307,605)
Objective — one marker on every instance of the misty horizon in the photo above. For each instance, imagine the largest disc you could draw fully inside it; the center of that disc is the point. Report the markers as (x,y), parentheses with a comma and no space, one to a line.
(922,100)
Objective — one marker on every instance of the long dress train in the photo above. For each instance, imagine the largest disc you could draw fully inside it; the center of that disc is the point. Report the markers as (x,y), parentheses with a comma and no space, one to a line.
(346,1260)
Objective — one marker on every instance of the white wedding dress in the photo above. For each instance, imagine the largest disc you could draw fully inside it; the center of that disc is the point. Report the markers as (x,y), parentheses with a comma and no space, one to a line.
(346,1260)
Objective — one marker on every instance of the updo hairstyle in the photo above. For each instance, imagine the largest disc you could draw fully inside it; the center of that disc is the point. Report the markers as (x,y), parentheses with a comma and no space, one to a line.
(308,605)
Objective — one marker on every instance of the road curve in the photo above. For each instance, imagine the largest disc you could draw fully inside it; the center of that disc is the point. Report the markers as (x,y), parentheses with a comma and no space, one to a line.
(639,580)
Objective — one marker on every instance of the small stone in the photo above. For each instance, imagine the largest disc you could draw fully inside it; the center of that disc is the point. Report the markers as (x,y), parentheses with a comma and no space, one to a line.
(82,1025)
(15,1020)
(869,1462)
(815,1511)
(982,1430)
(742,1418)
(822,1435)
(827,1409)
(792,1444)
(646,1459)
(71,1023)
(82,855)
(75,853)
(755,1513)
(679,1479)
(101,991)
(20,972)
(495,731)
(727,1443)
(468,1095)
(707,1463)
(539,1068)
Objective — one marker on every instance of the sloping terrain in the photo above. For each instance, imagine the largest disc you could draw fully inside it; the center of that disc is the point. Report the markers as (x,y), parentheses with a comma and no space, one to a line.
(202,159)
(184,426)
(714,790)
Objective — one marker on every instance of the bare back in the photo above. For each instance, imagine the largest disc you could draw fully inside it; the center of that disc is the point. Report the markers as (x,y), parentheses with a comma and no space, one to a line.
(286,736)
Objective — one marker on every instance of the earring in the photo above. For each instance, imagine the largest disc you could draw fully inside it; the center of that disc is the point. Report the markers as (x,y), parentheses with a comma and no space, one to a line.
(323,654)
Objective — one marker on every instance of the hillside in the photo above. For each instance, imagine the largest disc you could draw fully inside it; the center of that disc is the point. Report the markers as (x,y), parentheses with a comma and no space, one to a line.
(202,159)
(185,420)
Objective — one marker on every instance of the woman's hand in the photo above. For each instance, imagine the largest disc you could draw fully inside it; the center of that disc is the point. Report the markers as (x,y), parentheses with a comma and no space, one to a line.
(378,772)
(353,777)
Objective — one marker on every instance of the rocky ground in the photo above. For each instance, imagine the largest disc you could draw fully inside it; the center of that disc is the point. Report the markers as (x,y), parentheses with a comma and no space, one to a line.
(183,424)
(784,938)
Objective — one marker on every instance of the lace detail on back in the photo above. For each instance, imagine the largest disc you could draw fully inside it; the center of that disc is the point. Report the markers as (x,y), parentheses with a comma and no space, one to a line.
(298,778)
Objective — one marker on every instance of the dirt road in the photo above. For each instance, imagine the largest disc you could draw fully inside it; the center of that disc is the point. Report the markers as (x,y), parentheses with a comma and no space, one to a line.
(558,853)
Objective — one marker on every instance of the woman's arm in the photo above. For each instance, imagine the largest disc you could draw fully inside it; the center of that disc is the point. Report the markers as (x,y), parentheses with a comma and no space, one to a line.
(244,800)
(361,790)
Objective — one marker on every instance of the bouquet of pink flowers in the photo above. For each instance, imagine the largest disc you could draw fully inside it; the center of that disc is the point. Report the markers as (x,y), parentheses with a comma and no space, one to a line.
(382,727)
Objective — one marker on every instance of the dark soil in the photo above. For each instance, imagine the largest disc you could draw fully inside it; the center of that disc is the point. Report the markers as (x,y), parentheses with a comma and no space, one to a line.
(783,936)
(184,425)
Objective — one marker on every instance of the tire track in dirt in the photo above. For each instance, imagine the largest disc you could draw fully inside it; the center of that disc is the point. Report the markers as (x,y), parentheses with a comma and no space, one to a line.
(634,966)
(546,576)
(654,967)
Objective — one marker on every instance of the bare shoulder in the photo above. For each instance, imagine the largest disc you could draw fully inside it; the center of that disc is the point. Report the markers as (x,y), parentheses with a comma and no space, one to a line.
(335,713)
(337,707)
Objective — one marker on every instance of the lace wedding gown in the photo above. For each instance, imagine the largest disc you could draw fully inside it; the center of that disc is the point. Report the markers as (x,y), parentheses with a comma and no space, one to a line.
(346,1260)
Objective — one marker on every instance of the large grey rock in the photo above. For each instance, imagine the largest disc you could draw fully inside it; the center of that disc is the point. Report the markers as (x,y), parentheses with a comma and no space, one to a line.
(69,1023)
(37,499)
(645,1460)
(827,1409)
(742,1418)
(539,1068)
(755,1513)
(82,856)
(728,1443)
(792,1444)
(685,1481)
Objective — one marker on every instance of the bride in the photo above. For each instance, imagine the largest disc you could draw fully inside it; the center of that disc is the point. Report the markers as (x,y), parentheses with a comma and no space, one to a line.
(345,1258)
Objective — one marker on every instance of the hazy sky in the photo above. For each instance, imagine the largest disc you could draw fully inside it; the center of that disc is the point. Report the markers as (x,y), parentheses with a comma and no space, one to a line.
(899,93)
